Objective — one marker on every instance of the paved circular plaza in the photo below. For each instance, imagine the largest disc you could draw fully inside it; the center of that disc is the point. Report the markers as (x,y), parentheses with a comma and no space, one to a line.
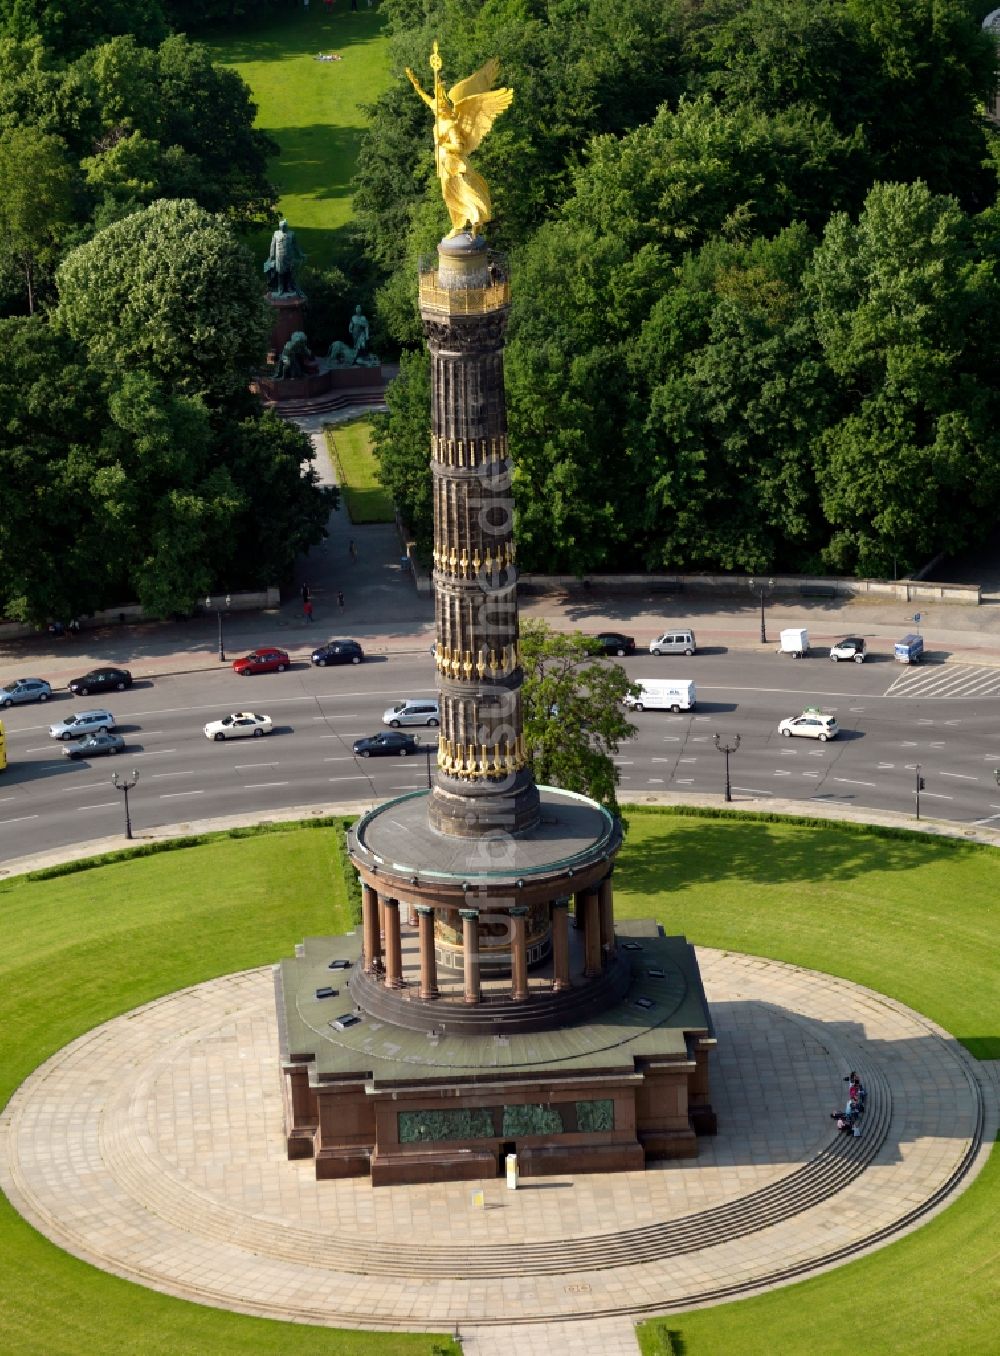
(152,1147)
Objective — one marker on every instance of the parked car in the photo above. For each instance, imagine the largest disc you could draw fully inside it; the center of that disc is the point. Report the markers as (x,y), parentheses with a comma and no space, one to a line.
(852,647)
(240,725)
(413,711)
(101,680)
(676,641)
(94,746)
(909,650)
(338,652)
(613,642)
(82,723)
(25,690)
(813,724)
(385,743)
(265,660)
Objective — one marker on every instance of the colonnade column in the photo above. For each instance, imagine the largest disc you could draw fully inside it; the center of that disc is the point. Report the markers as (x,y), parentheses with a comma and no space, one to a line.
(393,946)
(591,933)
(560,945)
(370,930)
(607,912)
(519,954)
(428,963)
(470,953)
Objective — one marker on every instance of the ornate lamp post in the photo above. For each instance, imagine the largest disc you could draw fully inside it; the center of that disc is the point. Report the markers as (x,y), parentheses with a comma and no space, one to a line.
(125,785)
(218,611)
(920,784)
(727,749)
(763,587)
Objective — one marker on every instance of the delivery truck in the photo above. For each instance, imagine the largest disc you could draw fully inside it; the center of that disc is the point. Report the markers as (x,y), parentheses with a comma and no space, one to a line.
(663,694)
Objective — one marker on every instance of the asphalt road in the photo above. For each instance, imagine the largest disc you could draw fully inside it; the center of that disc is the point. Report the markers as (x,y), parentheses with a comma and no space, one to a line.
(892,718)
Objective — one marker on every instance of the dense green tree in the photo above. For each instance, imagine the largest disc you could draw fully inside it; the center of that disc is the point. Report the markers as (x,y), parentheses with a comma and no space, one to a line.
(116,489)
(904,79)
(906,311)
(172,290)
(574,720)
(69,29)
(38,192)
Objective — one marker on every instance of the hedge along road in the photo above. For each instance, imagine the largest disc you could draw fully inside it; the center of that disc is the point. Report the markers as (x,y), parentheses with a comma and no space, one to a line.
(940,718)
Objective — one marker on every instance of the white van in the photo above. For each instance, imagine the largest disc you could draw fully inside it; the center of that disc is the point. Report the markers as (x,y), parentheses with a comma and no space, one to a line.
(663,694)
(412,711)
(678,640)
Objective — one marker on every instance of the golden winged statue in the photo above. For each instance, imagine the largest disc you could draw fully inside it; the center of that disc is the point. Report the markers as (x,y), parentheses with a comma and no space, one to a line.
(462,117)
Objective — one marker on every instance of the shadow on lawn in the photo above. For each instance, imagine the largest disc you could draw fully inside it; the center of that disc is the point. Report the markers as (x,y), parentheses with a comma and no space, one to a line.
(704,851)
(316,160)
(297,33)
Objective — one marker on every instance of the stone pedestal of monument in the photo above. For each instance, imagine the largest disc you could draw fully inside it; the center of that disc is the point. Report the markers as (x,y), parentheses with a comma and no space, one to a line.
(288,312)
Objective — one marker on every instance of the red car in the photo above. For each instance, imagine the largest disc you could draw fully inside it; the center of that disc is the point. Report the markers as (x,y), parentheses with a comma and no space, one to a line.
(267,660)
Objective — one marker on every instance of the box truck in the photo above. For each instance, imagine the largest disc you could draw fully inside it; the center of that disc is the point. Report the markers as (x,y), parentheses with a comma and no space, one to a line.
(663,694)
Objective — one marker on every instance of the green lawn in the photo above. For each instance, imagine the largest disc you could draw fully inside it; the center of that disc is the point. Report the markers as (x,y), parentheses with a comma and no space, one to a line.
(313,110)
(351,452)
(914,917)
(81,948)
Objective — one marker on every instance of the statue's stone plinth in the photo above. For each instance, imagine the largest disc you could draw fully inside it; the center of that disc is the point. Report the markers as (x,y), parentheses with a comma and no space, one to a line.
(288,311)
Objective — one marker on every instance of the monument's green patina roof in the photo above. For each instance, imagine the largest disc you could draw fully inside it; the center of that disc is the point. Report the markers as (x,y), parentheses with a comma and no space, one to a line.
(383,1053)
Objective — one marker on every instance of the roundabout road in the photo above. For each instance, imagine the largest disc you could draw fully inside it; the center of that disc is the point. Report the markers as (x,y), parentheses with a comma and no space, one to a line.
(942,717)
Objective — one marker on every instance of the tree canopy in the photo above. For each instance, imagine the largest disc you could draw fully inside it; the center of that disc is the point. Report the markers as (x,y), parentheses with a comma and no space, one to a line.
(574,720)
(753,248)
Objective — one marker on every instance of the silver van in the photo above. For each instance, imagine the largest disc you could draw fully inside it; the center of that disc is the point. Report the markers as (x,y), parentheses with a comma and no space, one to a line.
(675,641)
(413,711)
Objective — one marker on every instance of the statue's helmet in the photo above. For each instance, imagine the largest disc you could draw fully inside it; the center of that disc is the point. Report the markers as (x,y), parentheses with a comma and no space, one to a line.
(282,224)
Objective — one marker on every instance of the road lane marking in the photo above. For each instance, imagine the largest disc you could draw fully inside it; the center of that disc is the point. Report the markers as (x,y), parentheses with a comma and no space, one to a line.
(655,780)
(257,786)
(249,767)
(173,795)
(103,805)
(989,818)
(851,781)
(936,795)
(885,767)
(754,791)
(159,776)
(150,753)
(23,819)
(963,776)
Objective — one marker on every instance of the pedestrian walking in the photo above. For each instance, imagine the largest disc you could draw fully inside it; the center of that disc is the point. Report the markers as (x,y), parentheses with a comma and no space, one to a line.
(340,601)
(352,551)
(306,592)
(307,610)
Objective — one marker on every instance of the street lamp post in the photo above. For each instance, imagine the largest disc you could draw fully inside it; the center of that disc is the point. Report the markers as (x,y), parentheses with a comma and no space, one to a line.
(727,749)
(125,785)
(920,784)
(763,587)
(218,610)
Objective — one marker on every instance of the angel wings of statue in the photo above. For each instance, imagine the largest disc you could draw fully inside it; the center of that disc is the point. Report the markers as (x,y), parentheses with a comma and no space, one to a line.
(462,117)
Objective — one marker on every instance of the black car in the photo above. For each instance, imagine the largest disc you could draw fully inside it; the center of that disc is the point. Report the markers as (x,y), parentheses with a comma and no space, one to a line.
(338,652)
(101,680)
(385,743)
(613,642)
(94,745)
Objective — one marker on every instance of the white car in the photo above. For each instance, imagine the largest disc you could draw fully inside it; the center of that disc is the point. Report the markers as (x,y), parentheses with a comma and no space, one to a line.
(813,724)
(240,725)
(82,723)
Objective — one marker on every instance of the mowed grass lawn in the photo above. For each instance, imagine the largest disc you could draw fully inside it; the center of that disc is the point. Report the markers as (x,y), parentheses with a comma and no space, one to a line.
(81,948)
(350,447)
(313,109)
(913,917)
